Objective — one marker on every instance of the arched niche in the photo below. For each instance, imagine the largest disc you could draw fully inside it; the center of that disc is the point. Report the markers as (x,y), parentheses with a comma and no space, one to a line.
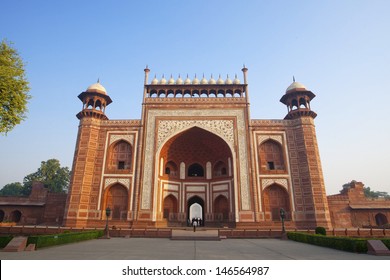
(276,197)
(119,157)
(117,199)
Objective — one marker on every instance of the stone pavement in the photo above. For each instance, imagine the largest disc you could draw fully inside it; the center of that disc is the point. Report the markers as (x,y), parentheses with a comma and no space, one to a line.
(166,249)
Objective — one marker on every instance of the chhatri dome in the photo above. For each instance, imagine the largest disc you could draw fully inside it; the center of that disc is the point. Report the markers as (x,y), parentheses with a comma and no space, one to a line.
(97,87)
(295,86)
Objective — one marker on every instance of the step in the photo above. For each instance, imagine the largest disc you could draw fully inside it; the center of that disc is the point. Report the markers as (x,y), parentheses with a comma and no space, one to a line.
(201,234)
(17,244)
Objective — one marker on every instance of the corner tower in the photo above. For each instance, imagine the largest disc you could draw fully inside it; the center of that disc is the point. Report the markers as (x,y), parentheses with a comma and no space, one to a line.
(85,169)
(311,206)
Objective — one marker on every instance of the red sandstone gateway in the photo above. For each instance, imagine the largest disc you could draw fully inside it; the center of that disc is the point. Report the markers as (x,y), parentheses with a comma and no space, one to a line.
(196,154)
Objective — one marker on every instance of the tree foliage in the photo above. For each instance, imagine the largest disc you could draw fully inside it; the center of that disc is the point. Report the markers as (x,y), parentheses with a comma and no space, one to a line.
(13,88)
(50,173)
(375,194)
(12,189)
(368,192)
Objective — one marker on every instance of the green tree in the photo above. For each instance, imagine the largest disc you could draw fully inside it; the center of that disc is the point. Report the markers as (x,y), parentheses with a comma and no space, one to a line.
(51,174)
(375,194)
(12,189)
(368,192)
(13,88)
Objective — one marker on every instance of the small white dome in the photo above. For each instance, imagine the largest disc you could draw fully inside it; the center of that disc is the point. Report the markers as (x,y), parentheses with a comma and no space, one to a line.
(163,81)
(179,81)
(97,87)
(195,81)
(220,81)
(228,81)
(171,81)
(204,81)
(212,81)
(236,80)
(187,81)
(296,86)
(154,81)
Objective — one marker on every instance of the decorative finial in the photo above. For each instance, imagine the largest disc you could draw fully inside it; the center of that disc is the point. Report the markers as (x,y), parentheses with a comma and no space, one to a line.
(293,79)
(98,81)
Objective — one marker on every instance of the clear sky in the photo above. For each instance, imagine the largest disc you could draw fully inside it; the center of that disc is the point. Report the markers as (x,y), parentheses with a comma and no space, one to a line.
(339,49)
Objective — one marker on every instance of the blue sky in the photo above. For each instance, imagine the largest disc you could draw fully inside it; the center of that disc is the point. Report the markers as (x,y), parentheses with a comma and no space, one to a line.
(339,49)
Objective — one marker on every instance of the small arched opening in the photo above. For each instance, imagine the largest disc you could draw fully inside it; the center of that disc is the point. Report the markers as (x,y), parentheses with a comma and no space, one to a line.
(381,219)
(195,170)
(2,214)
(171,169)
(15,216)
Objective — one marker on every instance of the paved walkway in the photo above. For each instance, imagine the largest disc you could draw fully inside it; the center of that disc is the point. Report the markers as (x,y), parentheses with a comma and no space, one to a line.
(165,249)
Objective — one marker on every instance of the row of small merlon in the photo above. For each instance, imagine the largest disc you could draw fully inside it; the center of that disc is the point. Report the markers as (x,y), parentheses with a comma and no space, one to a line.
(195,81)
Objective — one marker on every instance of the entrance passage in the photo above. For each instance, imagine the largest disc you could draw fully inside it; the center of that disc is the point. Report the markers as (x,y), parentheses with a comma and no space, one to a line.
(196,209)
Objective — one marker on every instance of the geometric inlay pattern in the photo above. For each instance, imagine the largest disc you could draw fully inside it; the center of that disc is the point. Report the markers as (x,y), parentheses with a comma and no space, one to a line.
(267,182)
(123,181)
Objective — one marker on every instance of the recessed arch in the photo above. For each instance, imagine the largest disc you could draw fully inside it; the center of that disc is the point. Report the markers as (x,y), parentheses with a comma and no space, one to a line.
(170,207)
(271,156)
(276,197)
(15,216)
(195,170)
(221,208)
(381,219)
(117,199)
(197,210)
(2,215)
(119,157)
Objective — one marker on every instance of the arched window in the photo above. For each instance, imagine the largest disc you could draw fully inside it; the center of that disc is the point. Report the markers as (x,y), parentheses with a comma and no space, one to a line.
(220,169)
(171,169)
(15,216)
(119,157)
(271,156)
(1,215)
(195,170)
(380,219)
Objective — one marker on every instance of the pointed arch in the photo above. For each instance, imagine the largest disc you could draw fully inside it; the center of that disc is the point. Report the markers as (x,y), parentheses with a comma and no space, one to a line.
(170,207)
(15,216)
(271,156)
(119,157)
(276,197)
(221,208)
(381,219)
(117,198)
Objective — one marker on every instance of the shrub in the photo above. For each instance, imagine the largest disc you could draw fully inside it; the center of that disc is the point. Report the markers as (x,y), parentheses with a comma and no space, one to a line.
(41,241)
(358,245)
(320,230)
(4,240)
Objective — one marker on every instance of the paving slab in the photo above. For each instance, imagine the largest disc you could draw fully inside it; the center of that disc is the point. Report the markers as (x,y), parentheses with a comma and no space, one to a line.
(166,249)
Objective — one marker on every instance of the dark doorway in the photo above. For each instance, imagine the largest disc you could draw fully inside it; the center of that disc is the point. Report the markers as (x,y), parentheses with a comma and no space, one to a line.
(380,219)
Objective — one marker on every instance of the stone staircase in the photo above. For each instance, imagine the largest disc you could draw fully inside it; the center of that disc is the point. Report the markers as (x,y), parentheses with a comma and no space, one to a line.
(199,234)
